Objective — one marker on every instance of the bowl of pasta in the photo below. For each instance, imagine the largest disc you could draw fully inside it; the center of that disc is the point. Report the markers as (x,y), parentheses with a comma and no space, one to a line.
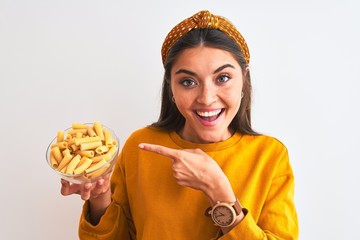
(83,153)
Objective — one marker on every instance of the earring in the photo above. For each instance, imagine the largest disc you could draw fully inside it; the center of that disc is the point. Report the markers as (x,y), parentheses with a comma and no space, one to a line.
(173,99)
(242,94)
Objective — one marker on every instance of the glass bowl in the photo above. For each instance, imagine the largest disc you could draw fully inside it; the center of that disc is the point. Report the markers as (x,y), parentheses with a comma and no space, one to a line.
(96,170)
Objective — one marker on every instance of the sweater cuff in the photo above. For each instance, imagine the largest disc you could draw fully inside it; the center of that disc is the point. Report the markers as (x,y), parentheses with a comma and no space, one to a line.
(103,228)
(246,229)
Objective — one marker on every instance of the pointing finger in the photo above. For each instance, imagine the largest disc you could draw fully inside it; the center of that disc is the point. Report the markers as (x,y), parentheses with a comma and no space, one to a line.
(165,151)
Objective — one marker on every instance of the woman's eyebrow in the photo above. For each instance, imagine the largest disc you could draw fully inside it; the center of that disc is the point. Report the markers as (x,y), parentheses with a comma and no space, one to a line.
(186,72)
(194,74)
(223,67)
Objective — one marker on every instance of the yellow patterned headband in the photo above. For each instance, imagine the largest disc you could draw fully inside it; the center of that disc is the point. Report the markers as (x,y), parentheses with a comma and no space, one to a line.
(204,19)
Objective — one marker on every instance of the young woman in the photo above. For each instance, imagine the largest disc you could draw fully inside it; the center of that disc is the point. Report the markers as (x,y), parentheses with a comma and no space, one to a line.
(200,171)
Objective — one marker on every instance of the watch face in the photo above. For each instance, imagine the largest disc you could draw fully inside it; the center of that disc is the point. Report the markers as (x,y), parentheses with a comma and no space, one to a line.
(223,216)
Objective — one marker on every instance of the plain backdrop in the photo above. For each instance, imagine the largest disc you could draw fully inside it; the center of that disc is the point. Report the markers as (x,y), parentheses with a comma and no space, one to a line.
(87,60)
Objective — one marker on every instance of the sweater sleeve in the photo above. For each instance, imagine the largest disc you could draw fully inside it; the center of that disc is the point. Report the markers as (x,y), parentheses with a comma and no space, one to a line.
(278,218)
(116,223)
(111,226)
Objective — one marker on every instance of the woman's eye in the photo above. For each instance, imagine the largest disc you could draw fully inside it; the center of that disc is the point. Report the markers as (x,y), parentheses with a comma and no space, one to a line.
(187,83)
(223,78)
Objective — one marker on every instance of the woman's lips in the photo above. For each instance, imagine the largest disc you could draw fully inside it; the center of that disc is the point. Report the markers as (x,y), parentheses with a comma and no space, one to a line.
(209,115)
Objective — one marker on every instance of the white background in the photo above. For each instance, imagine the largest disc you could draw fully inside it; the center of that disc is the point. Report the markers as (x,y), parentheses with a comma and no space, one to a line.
(87,60)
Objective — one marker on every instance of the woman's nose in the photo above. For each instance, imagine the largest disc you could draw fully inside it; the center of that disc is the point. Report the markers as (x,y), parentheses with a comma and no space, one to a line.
(207,95)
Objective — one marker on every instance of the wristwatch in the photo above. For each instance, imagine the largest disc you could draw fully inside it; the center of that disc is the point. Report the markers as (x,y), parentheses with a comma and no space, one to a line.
(224,214)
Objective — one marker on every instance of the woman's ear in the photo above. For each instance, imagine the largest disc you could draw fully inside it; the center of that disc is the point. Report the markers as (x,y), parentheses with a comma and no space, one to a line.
(246,73)
(247,69)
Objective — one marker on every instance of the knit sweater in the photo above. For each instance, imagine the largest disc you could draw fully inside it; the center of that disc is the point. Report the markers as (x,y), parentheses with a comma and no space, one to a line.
(147,203)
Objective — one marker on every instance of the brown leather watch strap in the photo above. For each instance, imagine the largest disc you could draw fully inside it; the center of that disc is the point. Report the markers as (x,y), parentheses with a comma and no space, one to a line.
(237,206)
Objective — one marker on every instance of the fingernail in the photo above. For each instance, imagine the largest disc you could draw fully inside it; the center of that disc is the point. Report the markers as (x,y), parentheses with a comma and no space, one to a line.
(141,146)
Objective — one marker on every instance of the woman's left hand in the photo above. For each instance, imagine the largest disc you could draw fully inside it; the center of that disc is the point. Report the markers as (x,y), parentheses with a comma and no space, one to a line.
(194,168)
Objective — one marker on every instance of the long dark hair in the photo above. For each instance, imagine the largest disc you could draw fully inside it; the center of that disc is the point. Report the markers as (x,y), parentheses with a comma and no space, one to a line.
(170,118)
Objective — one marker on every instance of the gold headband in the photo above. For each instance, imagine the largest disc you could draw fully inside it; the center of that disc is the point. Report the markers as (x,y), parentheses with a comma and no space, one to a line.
(204,19)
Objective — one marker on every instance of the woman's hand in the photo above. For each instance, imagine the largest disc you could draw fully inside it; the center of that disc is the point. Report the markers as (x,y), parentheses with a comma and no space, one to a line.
(87,191)
(194,168)
(98,193)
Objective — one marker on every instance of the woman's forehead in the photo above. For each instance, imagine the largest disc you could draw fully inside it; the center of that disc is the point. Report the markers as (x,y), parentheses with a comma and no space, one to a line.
(202,56)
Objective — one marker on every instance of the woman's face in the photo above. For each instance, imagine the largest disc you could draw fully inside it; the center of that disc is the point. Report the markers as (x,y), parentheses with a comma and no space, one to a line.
(206,84)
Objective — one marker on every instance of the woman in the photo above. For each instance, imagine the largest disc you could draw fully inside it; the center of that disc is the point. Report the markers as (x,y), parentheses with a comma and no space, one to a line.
(200,171)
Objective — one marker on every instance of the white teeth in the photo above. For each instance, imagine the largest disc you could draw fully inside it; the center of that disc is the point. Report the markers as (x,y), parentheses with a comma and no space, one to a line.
(209,114)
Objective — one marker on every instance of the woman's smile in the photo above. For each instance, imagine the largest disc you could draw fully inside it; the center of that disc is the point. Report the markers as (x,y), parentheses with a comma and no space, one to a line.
(209,117)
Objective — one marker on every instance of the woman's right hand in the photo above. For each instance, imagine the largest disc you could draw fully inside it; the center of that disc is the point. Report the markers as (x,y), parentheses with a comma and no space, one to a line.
(87,191)
(98,193)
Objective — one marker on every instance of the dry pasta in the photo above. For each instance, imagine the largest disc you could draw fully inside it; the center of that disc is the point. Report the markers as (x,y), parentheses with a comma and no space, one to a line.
(68,137)
(90,145)
(112,150)
(57,154)
(82,160)
(65,151)
(101,149)
(74,131)
(79,135)
(53,161)
(96,166)
(83,149)
(91,132)
(60,136)
(74,147)
(83,166)
(76,125)
(99,172)
(86,153)
(98,130)
(73,164)
(98,158)
(61,145)
(79,141)
(64,162)
(108,140)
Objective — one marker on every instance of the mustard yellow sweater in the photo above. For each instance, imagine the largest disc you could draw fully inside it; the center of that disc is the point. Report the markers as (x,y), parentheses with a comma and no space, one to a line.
(148,204)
